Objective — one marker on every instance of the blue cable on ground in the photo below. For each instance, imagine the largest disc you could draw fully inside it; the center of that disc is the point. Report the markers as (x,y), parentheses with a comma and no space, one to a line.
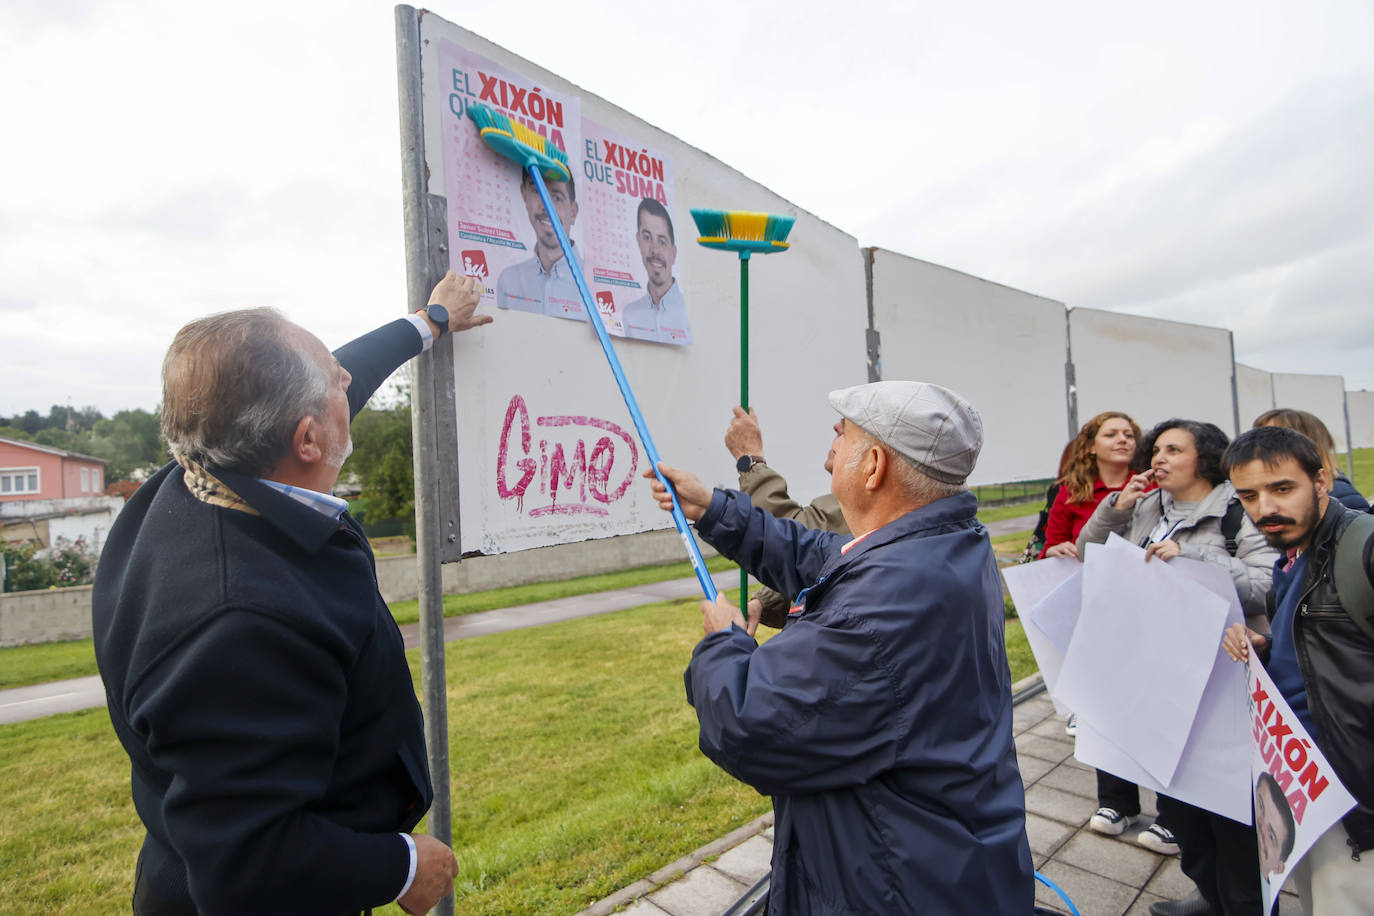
(1058,890)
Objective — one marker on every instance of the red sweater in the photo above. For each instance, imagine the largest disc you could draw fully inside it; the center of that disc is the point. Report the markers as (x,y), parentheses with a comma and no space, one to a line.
(1067,519)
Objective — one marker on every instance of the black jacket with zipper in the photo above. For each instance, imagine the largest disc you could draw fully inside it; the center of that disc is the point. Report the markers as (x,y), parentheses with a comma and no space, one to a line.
(1337,664)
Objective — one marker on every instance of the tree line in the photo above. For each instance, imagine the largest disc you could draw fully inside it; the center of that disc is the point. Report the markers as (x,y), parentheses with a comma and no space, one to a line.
(132,446)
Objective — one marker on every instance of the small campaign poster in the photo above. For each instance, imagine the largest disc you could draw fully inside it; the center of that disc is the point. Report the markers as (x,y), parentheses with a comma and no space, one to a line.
(631,233)
(498,228)
(1297,796)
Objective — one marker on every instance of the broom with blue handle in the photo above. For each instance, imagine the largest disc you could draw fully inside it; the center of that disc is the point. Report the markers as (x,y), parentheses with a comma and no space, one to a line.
(744,233)
(540,157)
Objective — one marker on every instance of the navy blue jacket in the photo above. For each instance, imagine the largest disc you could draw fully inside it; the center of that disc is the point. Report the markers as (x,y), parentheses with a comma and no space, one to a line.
(1343,491)
(260,687)
(879,719)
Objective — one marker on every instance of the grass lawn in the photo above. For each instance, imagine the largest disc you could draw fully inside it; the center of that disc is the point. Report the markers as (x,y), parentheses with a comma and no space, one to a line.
(457,605)
(1364,469)
(49,661)
(574,761)
(23,665)
(1016,510)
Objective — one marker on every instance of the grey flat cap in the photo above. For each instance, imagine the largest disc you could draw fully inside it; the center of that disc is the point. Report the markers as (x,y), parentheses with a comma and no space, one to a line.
(933,427)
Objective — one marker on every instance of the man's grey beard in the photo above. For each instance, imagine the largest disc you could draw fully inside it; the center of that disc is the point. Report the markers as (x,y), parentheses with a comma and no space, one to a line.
(336,460)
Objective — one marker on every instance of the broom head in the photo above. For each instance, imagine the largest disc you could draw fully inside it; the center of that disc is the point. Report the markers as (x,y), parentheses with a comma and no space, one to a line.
(516,141)
(742,231)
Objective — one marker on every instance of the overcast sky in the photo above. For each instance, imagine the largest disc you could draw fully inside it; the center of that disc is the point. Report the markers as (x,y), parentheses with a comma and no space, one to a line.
(1210,162)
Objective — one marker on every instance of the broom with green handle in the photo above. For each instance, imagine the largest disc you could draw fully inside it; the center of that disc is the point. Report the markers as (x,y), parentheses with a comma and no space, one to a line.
(540,157)
(745,233)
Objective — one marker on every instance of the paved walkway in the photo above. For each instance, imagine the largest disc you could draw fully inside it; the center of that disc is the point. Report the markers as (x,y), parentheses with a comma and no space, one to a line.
(1104,876)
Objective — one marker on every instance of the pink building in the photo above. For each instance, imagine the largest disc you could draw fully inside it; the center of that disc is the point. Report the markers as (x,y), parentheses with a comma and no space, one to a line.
(32,471)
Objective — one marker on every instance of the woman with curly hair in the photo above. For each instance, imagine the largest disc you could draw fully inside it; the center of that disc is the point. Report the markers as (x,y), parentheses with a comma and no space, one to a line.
(1098,463)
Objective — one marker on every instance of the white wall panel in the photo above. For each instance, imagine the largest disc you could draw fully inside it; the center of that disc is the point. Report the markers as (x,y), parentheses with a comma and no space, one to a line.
(1001,348)
(1151,369)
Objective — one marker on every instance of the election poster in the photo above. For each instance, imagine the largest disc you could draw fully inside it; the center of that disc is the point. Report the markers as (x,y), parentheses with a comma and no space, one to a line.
(631,236)
(1297,796)
(498,229)
(618,209)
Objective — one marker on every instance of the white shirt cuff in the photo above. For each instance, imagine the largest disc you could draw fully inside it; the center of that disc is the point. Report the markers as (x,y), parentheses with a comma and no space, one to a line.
(422,325)
(414,860)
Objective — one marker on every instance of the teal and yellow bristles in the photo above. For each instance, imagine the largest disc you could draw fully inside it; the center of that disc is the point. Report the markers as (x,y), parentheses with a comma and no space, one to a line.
(742,231)
(516,141)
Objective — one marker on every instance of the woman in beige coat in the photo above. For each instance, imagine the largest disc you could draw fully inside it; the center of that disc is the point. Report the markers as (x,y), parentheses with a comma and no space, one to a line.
(1183,519)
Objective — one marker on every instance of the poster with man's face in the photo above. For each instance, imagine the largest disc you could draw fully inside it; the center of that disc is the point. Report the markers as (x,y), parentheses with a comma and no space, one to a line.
(632,234)
(499,229)
(617,209)
(1297,796)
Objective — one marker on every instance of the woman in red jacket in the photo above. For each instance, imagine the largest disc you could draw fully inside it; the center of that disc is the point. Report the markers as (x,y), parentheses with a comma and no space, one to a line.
(1099,464)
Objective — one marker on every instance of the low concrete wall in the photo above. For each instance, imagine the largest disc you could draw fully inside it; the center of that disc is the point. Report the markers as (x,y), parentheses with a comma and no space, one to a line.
(47,615)
(60,614)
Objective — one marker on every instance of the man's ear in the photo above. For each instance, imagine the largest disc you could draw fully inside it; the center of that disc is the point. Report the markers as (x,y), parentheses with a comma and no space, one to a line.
(876,468)
(1323,481)
(305,442)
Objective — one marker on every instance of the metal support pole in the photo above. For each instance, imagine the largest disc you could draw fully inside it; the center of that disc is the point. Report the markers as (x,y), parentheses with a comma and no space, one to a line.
(420,279)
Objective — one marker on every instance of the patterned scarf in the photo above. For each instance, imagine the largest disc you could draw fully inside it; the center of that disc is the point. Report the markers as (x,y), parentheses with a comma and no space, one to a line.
(208,488)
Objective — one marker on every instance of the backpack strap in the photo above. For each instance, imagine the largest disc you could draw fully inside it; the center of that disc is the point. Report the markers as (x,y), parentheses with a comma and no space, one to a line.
(1230,525)
(1350,572)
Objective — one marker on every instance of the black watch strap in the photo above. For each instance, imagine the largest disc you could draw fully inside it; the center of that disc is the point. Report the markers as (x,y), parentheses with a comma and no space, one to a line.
(747,462)
(439,315)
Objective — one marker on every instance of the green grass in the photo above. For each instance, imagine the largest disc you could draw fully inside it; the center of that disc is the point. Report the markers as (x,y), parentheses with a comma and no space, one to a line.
(52,661)
(1364,469)
(1015,510)
(24,665)
(456,605)
(575,772)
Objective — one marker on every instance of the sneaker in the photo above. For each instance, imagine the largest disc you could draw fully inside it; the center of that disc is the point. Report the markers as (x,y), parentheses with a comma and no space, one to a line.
(1109,822)
(1158,839)
(1071,726)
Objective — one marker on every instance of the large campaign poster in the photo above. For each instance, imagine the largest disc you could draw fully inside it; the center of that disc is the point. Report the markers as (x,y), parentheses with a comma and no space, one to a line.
(632,237)
(617,209)
(498,228)
(1297,796)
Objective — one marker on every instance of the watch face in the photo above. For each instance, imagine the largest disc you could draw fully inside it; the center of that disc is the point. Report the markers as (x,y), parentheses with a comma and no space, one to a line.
(439,315)
(745,463)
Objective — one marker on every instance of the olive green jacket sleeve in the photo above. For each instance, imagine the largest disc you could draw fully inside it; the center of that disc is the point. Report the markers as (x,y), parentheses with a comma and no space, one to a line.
(767,489)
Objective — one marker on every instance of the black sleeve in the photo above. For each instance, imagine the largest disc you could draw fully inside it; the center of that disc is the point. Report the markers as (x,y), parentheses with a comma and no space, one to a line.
(373,357)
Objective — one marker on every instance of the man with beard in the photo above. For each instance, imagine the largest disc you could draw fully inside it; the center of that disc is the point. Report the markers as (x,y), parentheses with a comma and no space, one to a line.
(252,671)
(661,313)
(544,284)
(1319,658)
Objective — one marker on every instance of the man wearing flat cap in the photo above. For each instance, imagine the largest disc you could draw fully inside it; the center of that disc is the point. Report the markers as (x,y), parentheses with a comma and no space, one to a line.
(879,719)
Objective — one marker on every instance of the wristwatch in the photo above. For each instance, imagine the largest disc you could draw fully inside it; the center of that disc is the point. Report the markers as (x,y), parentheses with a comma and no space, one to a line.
(439,315)
(747,462)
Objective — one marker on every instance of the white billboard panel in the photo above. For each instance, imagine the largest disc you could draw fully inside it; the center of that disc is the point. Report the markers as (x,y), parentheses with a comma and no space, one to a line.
(1254,393)
(1001,348)
(1151,369)
(546,450)
(1361,407)
(1323,395)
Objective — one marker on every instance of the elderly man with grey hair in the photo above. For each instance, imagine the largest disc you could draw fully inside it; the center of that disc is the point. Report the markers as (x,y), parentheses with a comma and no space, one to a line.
(253,673)
(879,719)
